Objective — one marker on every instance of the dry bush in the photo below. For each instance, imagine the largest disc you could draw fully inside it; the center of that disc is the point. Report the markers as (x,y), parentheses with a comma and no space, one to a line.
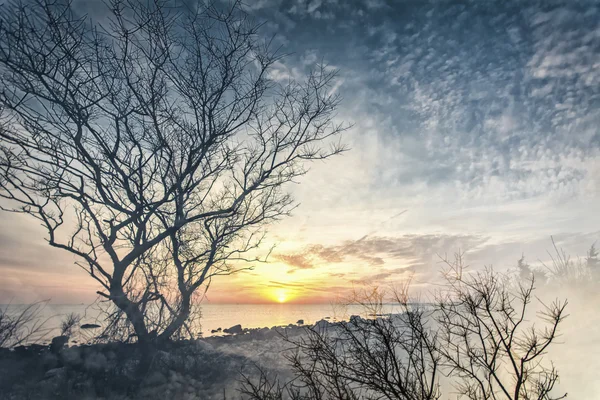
(488,346)
(564,270)
(393,356)
(69,323)
(476,342)
(21,325)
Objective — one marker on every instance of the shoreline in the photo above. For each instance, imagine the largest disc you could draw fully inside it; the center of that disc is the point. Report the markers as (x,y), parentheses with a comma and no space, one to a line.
(201,368)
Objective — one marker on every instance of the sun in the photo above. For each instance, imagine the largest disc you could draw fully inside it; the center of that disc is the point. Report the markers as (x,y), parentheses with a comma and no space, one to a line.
(281,296)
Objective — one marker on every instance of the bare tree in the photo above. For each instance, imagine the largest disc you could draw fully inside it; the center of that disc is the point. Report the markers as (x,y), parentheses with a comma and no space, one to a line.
(486,341)
(478,334)
(592,262)
(153,145)
(390,357)
(265,387)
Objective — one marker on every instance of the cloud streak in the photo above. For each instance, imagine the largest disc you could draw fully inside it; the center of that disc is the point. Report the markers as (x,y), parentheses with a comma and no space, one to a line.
(480,118)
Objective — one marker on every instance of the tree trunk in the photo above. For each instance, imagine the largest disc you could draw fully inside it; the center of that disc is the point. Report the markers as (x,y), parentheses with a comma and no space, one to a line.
(179,320)
(145,345)
(134,315)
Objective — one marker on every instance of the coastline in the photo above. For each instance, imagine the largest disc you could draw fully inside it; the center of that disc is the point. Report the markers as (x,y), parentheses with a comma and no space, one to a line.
(206,368)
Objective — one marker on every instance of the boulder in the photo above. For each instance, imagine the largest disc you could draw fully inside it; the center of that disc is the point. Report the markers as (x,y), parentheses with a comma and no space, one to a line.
(55,373)
(71,356)
(176,377)
(95,361)
(37,348)
(58,343)
(22,350)
(234,330)
(204,346)
(90,326)
(300,322)
(267,333)
(322,324)
(49,360)
(156,378)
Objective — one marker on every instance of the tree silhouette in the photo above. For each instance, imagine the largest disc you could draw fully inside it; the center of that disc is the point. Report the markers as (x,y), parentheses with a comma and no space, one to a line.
(153,145)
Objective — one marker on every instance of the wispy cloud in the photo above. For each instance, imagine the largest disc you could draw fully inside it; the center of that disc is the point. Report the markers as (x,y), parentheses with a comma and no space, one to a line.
(482,120)
(407,252)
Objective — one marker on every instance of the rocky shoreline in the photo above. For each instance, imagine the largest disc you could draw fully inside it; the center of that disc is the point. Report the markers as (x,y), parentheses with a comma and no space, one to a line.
(194,369)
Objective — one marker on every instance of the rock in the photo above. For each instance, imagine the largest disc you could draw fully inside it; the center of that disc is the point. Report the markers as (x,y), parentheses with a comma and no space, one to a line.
(278,329)
(204,346)
(95,361)
(355,319)
(54,373)
(156,378)
(214,331)
(90,326)
(21,350)
(49,360)
(111,355)
(295,331)
(176,378)
(219,329)
(71,356)
(164,357)
(234,330)
(271,334)
(37,348)
(322,324)
(300,322)
(58,343)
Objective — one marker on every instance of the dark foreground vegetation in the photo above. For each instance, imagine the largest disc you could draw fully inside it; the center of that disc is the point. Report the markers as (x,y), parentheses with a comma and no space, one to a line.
(184,369)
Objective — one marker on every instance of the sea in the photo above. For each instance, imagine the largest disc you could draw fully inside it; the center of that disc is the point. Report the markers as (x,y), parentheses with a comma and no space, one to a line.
(215,316)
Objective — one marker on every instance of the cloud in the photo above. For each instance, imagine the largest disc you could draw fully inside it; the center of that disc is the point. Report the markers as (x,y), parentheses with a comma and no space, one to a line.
(403,247)
(485,128)
(296,261)
(281,284)
(407,252)
(382,277)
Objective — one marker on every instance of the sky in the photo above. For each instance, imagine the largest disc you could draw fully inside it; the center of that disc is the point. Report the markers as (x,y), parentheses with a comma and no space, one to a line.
(475,129)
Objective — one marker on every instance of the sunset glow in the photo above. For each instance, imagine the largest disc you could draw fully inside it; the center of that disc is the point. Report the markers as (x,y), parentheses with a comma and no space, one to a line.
(447,153)
(281,297)
(300,199)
